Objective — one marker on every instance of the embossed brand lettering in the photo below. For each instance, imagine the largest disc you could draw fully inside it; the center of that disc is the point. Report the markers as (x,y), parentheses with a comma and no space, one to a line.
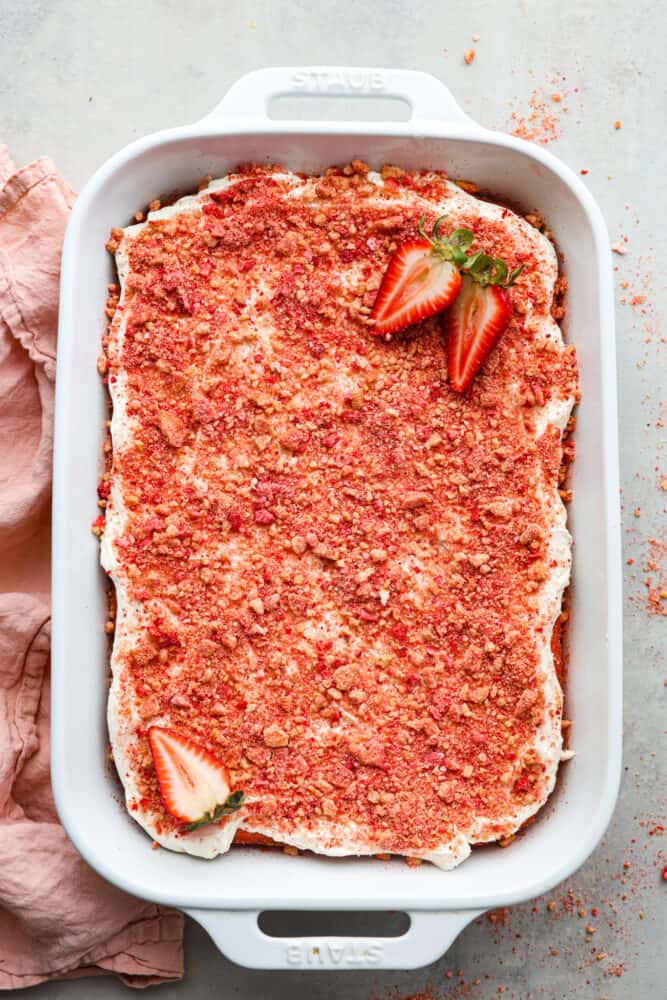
(337,81)
(336,953)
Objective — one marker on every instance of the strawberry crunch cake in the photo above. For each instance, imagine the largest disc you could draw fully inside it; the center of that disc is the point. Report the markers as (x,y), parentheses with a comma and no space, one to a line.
(332,515)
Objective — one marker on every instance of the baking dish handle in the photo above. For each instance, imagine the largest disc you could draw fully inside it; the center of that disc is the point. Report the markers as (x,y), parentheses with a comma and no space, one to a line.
(251,95)
(239,937)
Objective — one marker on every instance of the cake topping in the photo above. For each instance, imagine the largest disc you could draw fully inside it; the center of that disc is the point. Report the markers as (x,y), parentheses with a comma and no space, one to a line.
(337,575)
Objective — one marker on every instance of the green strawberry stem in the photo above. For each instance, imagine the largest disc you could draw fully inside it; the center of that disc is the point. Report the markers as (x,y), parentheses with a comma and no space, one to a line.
(486,270)
(482,268)
(231,805)
(452,247)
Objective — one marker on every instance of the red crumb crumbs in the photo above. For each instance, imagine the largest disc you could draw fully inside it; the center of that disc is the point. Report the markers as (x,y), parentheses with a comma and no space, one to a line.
(468,56)
(323,537)
(620,247)
(655,578)
(591,950)
(539,117)
(427,994)
(617,124)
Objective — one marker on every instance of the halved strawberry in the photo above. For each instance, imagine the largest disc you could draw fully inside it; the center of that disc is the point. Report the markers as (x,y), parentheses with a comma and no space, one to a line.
(478,318)
(194,786)
(422,279)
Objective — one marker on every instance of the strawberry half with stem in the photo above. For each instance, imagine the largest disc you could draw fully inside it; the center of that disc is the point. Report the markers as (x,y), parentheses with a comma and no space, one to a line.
(422,279)
(194,786)
(478,317)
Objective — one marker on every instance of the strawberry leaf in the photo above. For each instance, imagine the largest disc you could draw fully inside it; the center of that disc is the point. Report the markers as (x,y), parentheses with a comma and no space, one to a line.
(471,261)
(501,272)
(231,805)
(462,238)
(481,268)
(485,270)
(453,247)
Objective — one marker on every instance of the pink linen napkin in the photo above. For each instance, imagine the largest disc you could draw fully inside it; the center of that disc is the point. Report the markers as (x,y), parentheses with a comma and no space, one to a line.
(58,919)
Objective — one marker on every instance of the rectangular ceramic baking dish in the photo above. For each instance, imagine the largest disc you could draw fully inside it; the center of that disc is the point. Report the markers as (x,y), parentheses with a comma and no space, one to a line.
(227,894)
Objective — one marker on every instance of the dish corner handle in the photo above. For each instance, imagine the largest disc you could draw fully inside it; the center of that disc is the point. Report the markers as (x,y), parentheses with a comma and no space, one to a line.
(238,936)
(250,97)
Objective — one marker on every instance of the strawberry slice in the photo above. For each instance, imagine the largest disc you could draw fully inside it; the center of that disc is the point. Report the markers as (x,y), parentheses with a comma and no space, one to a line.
(478,318)
(194,786)
(421,279)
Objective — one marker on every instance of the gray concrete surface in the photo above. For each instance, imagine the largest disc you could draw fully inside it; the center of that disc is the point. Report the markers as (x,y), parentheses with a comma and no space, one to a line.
(79,79)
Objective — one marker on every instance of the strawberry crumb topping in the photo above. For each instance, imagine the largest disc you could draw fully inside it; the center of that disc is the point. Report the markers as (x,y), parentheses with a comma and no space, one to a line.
(337,562)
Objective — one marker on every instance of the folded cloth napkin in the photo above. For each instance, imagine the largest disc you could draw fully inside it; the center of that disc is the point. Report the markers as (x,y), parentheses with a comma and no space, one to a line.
(58,919)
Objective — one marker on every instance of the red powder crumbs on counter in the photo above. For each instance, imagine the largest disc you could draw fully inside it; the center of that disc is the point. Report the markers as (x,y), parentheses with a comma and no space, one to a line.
(468,56)
(427,994)
(601,937)
(539,119)
(655,580)
(653,598)
(499,916)
(453,989)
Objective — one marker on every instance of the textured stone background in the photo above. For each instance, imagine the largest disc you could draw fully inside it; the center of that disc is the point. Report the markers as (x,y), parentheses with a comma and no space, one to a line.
(80,79)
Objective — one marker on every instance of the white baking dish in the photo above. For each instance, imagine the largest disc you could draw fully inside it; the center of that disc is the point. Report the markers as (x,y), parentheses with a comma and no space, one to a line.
(225,895)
